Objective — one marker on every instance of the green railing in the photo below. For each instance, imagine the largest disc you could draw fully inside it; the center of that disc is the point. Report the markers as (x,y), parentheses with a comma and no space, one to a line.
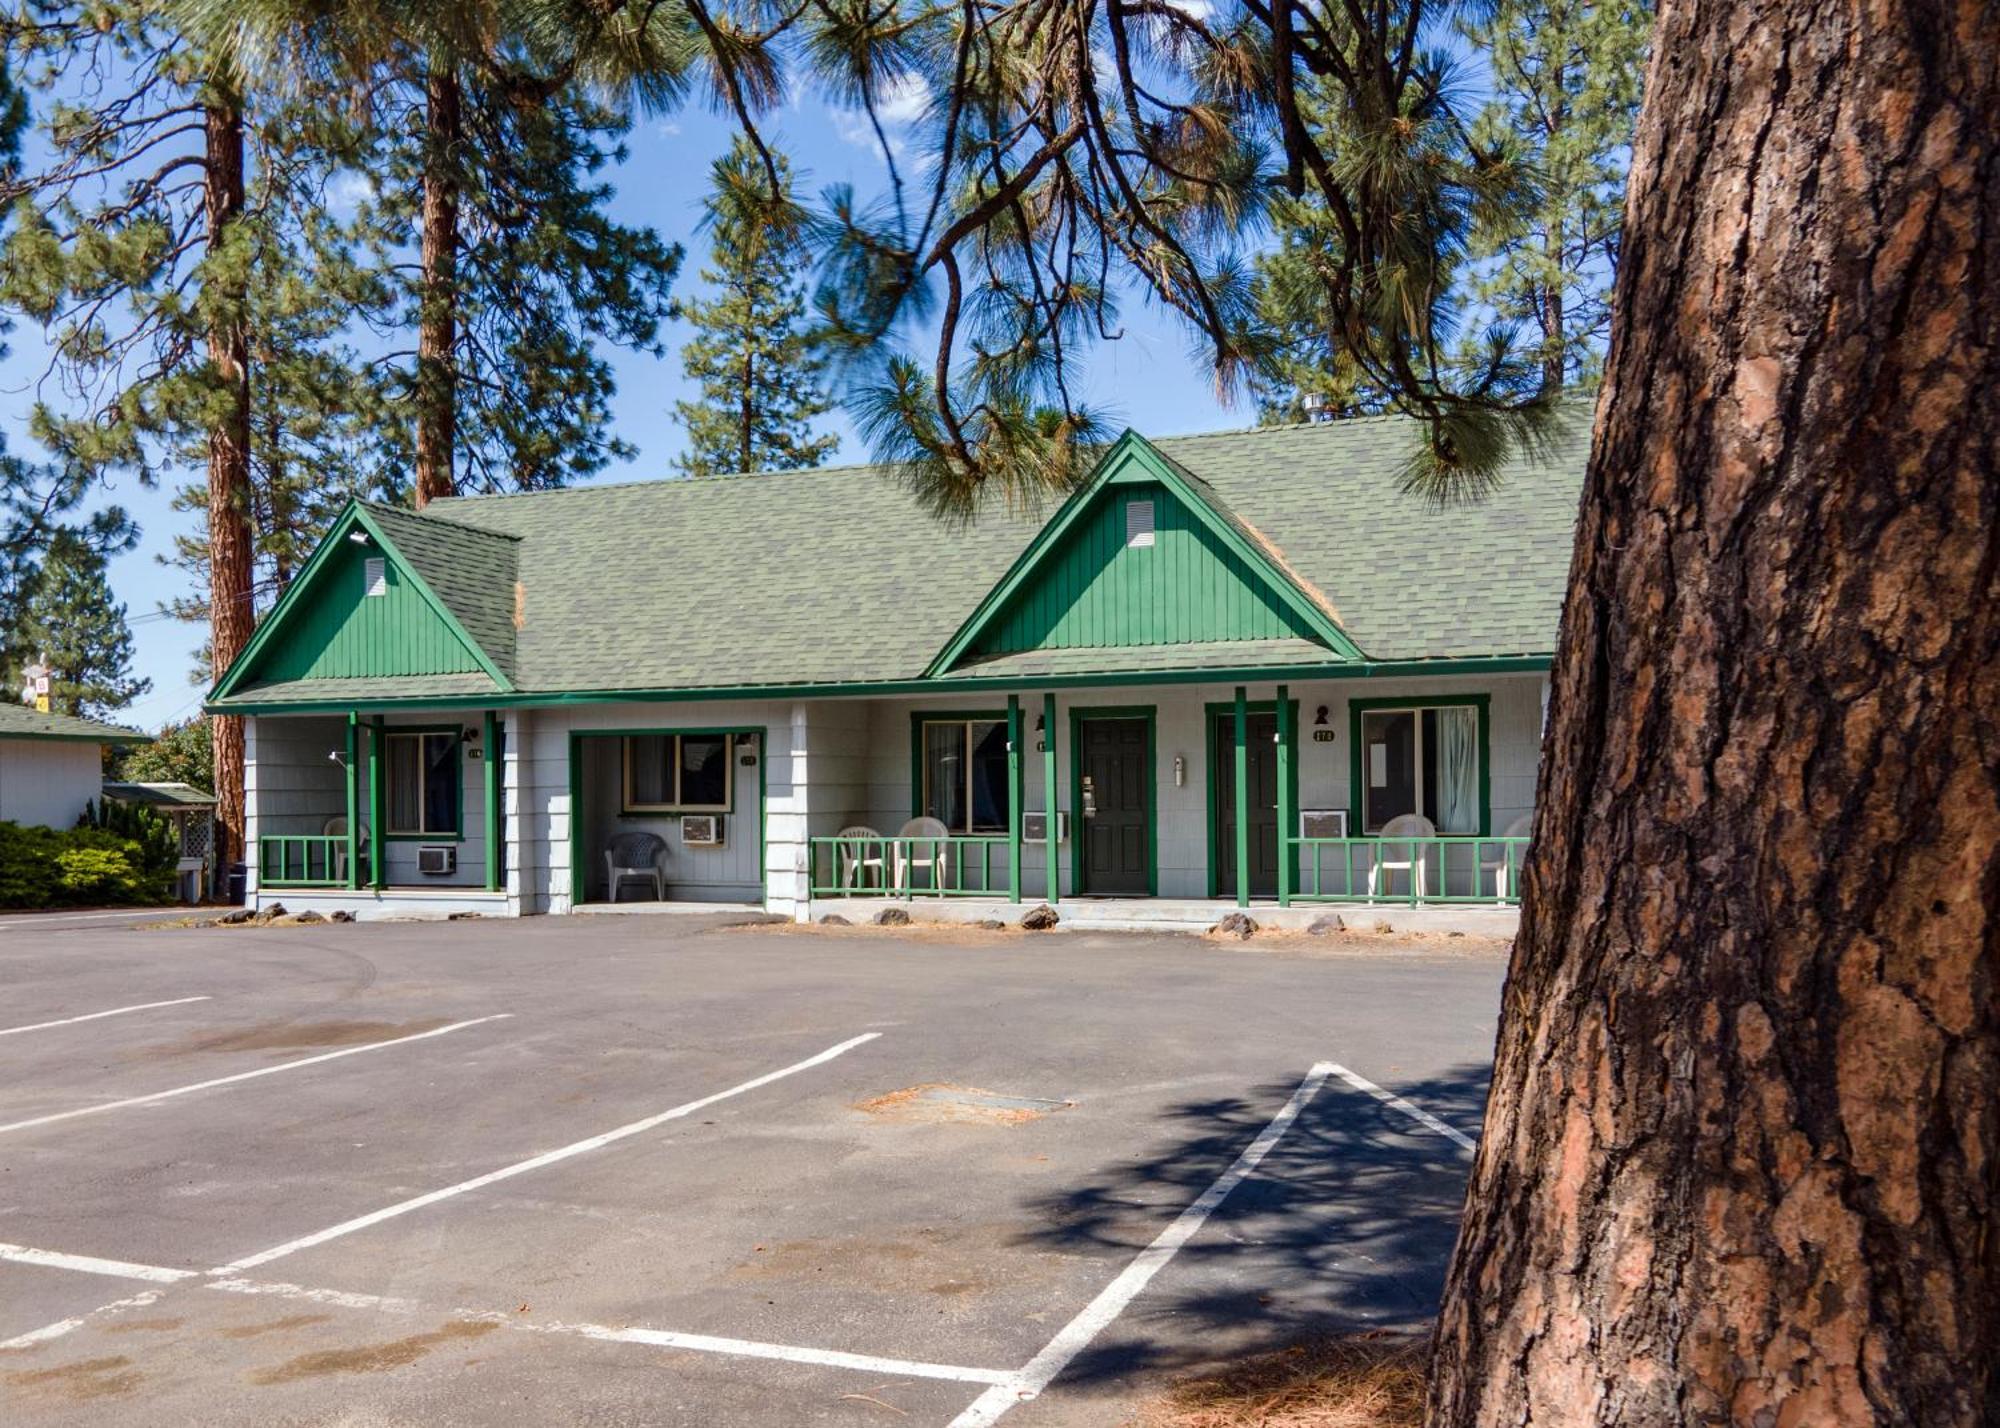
(302,860)
(1410,870)
(957,866)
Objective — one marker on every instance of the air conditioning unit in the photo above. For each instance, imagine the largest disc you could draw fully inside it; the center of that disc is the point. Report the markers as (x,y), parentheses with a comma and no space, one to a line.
(701,830)
(1322,823)
(1035,827)
(437,860)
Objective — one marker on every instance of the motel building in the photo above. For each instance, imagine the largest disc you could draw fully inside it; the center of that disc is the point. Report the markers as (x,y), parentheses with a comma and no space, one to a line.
(1241,669)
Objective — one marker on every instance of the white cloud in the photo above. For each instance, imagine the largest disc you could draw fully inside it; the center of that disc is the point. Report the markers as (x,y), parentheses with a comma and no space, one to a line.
(901,103)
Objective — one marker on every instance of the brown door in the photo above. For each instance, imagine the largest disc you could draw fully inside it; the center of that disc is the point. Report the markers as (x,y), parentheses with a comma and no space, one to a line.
(1263,782)
(1116,823)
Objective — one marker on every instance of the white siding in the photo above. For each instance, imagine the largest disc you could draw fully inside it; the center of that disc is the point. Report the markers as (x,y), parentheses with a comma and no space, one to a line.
(48,781)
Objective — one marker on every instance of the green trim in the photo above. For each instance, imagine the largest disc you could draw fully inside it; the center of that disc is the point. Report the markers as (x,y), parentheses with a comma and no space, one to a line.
(1357,707)
(1132,458)
(457,732)
(495,824)
(378,805)
(918,717)
(1016,792)
(1052,816)
(1227,708)
(934,688)
(269,628)
(1241,789)
(115,740)
(1078,716)
(353,779)
(1288,790)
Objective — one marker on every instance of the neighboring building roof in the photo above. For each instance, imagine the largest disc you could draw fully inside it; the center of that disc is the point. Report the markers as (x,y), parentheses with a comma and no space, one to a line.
(836,576)
(21,721)
(159,795)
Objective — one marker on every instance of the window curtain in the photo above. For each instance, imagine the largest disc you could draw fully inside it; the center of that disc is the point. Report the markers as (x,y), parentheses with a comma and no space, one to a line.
(944,774)
(1458,769)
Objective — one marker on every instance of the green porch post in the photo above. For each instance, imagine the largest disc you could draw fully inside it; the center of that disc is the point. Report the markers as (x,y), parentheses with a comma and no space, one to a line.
(1014,791)
(378,806)
(495,824)
(1287,736)
(1049,795)
(353,770)
(1242,799)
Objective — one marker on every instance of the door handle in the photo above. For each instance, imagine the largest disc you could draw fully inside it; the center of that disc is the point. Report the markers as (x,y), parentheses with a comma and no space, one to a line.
(1089,798)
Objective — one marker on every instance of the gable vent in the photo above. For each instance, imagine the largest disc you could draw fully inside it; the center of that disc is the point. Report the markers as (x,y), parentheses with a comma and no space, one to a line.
(1139,523)
(376,571)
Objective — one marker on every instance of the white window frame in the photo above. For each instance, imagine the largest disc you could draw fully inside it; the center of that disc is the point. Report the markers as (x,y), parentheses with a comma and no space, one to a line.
(627,804)
(389,828)
(1419,709)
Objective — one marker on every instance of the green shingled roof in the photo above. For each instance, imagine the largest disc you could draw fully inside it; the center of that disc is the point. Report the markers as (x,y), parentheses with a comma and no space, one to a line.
(835,576)
(21,721)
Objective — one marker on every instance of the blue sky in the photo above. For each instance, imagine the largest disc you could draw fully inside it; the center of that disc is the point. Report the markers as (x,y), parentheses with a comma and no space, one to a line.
(1145,380)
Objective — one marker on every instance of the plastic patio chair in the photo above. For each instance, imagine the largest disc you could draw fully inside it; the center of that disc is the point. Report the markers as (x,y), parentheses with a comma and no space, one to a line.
(636,855)
(1502,863)
(911,855)
(1411,861)
(857,856)
(337,859)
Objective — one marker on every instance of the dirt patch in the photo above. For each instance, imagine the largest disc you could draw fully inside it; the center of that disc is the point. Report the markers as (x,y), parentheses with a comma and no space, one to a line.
(372,1358)
(140,1326)
(85,1379)
(926,1261)
(293,1036)
(917,930)
(276,1326)
(1372,1381)
(939,1103)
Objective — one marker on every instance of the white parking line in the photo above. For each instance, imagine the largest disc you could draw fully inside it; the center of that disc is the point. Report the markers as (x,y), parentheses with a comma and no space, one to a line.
(64,1326)
(522,1167)
(94,1016)
(1075,1336)
(248,1075)
(89,1264)
(1416,1113)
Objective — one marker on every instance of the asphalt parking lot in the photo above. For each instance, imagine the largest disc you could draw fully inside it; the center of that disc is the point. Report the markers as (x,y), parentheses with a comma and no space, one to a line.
(659,1171)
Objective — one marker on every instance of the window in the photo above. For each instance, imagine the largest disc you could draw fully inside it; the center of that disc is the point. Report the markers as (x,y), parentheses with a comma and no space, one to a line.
(964,779)
(375,576)
(677,773)
(1139,523)
(1423,760)
(423,784)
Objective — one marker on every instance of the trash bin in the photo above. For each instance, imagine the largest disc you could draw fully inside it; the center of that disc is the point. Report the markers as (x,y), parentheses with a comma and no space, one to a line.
(232,889)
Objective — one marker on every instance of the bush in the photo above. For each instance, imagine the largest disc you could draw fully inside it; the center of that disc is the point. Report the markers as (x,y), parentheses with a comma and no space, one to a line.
(44,867)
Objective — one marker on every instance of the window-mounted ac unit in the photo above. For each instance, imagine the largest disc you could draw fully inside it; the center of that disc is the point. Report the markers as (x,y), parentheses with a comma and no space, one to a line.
(1322,823)
(701,830)
(1035,827)
(437,861)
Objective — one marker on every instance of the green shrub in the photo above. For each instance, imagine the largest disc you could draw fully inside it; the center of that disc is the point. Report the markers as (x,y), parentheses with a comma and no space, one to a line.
(45,867)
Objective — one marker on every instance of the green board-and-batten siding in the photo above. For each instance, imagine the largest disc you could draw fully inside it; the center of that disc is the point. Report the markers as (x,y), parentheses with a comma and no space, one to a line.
(345,633)
(1102,592)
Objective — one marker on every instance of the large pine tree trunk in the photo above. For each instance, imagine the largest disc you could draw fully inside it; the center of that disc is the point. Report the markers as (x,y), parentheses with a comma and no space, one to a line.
(437,316)
(231,612)
(1742,1155)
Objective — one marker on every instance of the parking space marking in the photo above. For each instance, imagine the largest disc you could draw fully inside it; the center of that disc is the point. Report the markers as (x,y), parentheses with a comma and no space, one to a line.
(64,1326)
(522,1167)
(89,1264)
(1075,1336)
(95,1016)
(1415,1112)
(248,1075)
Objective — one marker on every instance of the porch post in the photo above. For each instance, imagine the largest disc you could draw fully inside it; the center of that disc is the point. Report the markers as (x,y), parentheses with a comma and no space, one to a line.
(1287,735)
(378,806)
(1014,792)
(1049,794)
(353,781)
(1242,799)
(489,742)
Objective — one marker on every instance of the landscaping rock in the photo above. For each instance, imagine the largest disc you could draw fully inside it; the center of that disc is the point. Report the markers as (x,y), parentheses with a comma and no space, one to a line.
(340,915)
(1040,919)
(992,924)
(464,917)
(1383,927)
(236,918)
(1327,925)
(834,919)
(271,914)
(892,917)
(1235,924)
(310,916)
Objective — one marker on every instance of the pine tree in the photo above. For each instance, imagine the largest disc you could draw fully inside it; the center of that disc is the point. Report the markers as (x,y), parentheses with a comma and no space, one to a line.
(76,627)
(763,378)
(1566,77)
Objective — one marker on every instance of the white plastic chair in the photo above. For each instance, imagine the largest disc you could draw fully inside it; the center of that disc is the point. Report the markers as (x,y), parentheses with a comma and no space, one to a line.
(636,855)
(857,856)
(337,863)
(1411,861)
(935,856)
(1502,862)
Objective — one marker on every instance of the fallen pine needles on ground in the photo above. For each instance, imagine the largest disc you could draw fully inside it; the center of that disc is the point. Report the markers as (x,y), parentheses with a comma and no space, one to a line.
(1366,1381)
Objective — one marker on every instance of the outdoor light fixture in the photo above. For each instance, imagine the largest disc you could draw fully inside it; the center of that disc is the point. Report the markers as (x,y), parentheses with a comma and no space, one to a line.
(359,537)
(1041,723)
(336,756)
(1320,718)
(1180,771)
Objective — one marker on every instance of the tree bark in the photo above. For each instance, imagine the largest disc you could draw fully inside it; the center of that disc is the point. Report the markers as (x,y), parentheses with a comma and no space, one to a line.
(232,616)
(1740,1161)
(437,315)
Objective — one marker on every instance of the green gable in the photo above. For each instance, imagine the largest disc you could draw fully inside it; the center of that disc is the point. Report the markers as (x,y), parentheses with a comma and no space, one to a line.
(1103,586)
